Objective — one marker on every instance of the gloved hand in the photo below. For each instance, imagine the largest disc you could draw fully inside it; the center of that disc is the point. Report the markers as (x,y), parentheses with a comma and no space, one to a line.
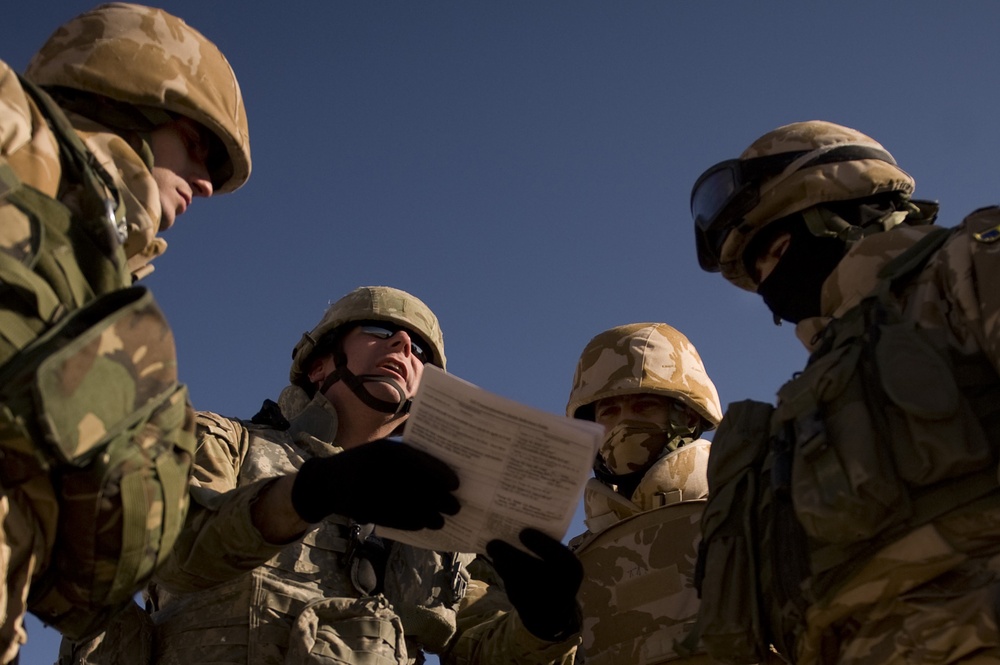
(542,589)
(384,482)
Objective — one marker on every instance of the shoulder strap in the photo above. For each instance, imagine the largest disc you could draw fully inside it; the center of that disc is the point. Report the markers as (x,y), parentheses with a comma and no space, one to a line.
(903,267)
(80,165)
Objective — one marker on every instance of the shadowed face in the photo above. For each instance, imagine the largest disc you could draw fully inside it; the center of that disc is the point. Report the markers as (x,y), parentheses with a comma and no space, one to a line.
(180,166)
(651,409)
(767,260)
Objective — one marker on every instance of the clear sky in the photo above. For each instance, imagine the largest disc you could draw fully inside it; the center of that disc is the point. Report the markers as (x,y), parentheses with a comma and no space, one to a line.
(525,168)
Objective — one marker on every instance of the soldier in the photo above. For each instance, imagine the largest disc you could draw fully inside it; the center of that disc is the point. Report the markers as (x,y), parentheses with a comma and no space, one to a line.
(279,561)
(869,496)
(124,116)
(647,386)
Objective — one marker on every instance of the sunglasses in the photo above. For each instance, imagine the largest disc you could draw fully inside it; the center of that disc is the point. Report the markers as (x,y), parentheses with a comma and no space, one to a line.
(419,347)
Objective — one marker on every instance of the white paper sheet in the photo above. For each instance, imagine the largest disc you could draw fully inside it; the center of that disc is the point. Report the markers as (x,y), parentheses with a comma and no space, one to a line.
(518,466)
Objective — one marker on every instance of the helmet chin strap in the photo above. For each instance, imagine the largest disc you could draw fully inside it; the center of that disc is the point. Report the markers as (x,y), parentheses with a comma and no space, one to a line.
(357,385)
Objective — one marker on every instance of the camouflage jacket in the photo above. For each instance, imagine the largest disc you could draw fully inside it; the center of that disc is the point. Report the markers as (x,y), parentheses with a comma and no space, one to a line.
(955,299)
(638,596)
(30,149)
(28,145)
(227,596)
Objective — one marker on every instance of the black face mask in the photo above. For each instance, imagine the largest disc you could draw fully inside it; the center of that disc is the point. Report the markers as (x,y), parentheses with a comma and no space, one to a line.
(792,290)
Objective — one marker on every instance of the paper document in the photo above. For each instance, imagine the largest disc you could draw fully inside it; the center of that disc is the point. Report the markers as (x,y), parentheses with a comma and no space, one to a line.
(518,466)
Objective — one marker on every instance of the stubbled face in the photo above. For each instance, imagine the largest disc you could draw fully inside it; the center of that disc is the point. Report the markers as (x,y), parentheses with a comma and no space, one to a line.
(180,157)
(650,409)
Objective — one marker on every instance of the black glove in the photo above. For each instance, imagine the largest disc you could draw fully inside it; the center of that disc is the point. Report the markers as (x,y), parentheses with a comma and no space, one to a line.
(542,590)
(384,482)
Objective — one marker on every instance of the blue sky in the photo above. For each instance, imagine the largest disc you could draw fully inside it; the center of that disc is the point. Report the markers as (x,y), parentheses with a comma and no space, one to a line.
(525,168)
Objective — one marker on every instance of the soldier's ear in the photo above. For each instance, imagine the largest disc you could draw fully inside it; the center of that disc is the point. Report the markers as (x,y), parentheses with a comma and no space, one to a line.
(319,368)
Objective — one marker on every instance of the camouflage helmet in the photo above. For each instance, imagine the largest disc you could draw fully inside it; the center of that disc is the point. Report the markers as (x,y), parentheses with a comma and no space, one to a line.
(371,303)
(788,170)
(643,358)
(145,57)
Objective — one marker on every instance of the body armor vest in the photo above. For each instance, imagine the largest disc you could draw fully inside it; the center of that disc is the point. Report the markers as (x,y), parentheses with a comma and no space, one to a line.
(89,398)
(306,599)
(886,429)
(638,598)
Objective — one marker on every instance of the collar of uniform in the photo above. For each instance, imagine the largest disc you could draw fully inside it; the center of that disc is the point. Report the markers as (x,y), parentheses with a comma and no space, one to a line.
(856,276)
(138,189)
(679,476)
(315,427)
(604,507)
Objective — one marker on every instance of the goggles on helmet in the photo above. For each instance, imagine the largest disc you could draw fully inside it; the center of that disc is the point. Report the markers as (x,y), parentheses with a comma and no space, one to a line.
(724,193)
(384,330)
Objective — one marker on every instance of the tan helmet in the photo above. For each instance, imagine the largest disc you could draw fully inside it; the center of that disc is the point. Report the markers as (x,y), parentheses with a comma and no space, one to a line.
(787,170)
(643,358)
(371,303)
(148,58)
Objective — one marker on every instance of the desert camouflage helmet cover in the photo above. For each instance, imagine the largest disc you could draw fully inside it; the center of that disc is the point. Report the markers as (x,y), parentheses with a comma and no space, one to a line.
(643,358)
(371,303)
(147,57)
(796,189)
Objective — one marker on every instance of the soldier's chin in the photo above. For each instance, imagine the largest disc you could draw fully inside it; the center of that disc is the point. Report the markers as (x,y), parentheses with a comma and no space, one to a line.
(384,392)
(169,216)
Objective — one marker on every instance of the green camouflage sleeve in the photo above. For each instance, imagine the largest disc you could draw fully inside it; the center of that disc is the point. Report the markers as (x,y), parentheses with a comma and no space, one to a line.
(219,541)
(489,630)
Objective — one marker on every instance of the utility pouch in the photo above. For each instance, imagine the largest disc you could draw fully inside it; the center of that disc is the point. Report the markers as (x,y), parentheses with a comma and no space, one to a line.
(942,437)
(97,404)
(731,616)
(783,547)
(879,423)
(127,641)
(844,487)
(347,631)
(425,589)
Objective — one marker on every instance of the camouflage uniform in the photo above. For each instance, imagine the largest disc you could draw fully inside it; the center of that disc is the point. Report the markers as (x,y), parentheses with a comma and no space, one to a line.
(228,596)
(930,596)
(639,550)
(929,591)
(59,274)
(216,604)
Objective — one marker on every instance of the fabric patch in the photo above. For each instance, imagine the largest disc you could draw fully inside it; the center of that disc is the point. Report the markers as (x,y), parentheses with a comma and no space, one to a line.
(989,235)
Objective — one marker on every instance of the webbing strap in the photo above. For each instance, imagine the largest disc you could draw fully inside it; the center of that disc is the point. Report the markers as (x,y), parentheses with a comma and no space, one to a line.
(382,630)
(80,162)
(79,289)
(690,645)
(13,329)
(926,507)
(901,268)
(134,502)
(20,276)
(174,483)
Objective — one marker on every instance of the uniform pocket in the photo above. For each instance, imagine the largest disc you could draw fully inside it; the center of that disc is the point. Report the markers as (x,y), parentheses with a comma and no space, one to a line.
(935,434)
(844,485)
(729,601)
(347,631)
